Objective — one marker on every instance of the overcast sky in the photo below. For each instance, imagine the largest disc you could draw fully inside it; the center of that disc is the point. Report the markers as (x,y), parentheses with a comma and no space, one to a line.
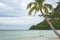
(14,15)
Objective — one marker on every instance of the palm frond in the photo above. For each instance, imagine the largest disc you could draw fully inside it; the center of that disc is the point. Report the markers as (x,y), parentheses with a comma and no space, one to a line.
(45,9)
(48,6)
(30,5)
(31,10)
(40,1)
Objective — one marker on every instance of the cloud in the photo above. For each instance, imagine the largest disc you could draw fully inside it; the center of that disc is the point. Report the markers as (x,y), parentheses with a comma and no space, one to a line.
(23,20)
(19,22)
(4,7)
(14,12)
(17,8)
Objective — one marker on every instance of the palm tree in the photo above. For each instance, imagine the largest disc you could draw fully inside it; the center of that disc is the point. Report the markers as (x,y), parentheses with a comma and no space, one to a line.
(39,5)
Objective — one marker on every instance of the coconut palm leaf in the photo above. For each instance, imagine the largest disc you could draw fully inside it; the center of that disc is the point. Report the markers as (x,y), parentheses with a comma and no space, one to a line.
(30,4)
(48,6)
(32,9)
(45,9)
(40,1)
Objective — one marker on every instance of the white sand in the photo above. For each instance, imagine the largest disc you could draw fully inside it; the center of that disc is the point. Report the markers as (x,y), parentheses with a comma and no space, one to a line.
(39,38)
(53,38)
(47,39)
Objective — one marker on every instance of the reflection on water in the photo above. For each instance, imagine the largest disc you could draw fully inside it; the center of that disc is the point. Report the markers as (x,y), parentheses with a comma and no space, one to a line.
(19,35)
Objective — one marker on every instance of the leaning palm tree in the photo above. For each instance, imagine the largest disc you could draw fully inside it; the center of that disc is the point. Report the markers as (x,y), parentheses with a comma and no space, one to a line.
(39,5)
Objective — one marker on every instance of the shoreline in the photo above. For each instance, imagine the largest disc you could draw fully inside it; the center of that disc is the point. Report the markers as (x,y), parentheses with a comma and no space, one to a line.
(53,38)
(41,38)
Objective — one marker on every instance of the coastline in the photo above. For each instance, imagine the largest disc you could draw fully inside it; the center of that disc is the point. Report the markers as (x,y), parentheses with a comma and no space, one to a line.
(40,38)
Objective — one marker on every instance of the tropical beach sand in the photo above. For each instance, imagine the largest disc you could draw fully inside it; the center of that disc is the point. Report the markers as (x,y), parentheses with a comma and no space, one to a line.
(47,39)
(39,38)
(53,38)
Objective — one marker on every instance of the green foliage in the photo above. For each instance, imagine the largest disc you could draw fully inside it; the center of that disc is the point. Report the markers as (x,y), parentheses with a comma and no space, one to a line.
(40,1)
(31,10)
(56,12)
(48,6)
(45,26)
(39,5)
(30,5)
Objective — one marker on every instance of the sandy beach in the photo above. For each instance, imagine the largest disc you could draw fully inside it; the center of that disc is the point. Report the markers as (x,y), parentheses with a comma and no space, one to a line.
(46,39)
(39,38)
(53,39)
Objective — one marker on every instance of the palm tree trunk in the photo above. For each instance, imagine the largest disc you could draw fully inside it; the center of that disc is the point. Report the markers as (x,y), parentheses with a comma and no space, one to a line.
(52,27)
(47,19)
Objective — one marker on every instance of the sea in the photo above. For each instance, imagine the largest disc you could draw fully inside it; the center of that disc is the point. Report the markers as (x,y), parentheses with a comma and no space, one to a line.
(25,34)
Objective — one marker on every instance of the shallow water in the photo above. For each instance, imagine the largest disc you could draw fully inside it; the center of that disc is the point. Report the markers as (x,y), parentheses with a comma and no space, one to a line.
(26,34)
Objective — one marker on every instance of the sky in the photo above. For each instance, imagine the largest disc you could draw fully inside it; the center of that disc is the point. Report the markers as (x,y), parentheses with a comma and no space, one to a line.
(14,15)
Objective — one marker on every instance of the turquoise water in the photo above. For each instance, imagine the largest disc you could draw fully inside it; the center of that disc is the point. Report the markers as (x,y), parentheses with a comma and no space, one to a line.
(18,35)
